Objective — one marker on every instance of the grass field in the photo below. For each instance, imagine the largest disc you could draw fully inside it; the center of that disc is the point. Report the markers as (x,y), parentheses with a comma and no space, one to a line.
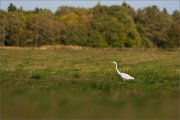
(83,83)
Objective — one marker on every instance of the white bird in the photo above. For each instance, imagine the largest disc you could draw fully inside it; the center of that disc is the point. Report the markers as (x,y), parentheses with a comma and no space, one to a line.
(123,75)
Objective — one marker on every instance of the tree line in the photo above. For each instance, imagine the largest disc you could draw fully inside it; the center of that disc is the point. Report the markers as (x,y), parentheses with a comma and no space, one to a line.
(100,26)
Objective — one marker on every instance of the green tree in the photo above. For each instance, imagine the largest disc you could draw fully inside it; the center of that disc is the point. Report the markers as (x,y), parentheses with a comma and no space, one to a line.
(63,10)
(115,26)
(15,28)
(174,36)
(176,16)
(154,25)
(165,11)
(3,22)
(100,26)
(127,9)
(11,7)
(42,28)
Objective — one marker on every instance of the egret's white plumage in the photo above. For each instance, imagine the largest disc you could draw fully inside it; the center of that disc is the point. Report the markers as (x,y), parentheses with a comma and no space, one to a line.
(123,75)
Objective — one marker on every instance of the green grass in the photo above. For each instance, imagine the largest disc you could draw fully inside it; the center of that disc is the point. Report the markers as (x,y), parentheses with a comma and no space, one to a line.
(83,84)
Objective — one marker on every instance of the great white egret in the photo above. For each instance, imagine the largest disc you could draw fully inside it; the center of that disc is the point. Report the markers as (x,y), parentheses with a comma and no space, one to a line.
(123,75)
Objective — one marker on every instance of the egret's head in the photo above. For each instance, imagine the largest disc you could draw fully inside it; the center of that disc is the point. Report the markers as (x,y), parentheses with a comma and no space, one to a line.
(114,62)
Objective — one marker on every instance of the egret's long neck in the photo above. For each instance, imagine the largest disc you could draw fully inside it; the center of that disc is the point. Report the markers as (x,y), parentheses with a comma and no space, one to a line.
(117,68)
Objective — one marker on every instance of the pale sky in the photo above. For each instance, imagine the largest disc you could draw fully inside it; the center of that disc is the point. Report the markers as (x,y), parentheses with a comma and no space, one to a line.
(170,5)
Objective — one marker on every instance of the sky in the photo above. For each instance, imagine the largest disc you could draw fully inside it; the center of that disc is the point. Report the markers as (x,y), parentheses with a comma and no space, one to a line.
(170,5)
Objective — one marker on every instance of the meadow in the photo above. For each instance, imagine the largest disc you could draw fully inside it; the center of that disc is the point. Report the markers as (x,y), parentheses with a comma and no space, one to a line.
(82,83)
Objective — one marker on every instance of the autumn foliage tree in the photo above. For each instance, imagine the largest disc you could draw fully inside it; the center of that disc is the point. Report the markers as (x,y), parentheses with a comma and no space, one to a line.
(100,26)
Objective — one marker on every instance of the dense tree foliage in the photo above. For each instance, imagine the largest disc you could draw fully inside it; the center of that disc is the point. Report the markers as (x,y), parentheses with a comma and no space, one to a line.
(154,25)
(100,26)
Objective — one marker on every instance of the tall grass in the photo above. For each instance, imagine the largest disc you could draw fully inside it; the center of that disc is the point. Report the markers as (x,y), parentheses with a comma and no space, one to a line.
(83,83)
